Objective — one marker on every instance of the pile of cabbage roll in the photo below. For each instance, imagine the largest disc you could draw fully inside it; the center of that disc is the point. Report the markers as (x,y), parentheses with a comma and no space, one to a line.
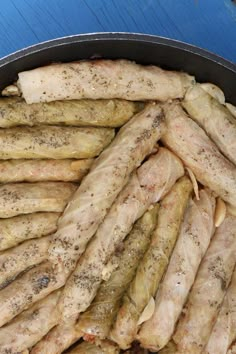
(117,212)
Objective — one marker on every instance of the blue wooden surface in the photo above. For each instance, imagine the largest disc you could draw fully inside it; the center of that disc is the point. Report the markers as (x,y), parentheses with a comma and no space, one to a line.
(210,24)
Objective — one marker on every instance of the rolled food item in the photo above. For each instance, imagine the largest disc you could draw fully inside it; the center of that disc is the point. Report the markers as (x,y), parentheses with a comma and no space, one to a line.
(147,186)
(199,153)
(25,198)
(153,265)
(194,238)
(100,113)
(30,326)
(20,258)
(214,118)
(215,272)
(25,227)
(43,170)
(101,186)
(53,142)
(97,319)
(224,330)
(105,347)
(102,79)
(58,339)
(32,286)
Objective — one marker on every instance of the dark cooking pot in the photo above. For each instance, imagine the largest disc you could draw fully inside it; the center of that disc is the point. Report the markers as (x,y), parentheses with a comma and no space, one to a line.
(145,49)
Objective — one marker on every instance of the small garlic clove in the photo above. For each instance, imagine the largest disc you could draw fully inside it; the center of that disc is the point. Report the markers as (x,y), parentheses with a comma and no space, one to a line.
(220,212)
(147,312)
(214,91)
(194,182)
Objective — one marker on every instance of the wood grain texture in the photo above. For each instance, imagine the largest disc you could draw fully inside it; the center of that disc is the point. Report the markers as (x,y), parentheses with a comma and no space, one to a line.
(210,24)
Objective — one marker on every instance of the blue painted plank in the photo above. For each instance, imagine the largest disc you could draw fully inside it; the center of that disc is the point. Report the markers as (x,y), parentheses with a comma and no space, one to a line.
(210,24)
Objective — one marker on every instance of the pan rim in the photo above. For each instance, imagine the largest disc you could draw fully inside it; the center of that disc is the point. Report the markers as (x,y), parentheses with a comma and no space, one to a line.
(117,36)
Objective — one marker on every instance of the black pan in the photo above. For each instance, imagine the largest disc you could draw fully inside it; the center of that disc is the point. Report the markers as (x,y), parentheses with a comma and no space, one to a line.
(144,49)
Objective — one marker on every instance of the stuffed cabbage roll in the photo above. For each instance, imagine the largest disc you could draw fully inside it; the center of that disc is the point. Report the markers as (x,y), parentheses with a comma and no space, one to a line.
(104,79)
(201,310)
(25,198)
(103,113)
(24,227)
(195,235)
(214,118)
(43,170)
(53,142)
